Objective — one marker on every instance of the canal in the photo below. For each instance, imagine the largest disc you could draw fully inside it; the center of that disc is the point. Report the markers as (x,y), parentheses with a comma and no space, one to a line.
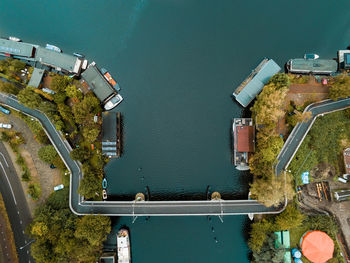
(177,62)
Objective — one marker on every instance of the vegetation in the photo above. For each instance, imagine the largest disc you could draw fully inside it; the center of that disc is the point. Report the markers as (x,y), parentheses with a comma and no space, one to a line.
(61,236)
(29,98)
(267,110)
(340,87)
(8,87)
(11,69)
(269,253)
(80,154)
(34,190)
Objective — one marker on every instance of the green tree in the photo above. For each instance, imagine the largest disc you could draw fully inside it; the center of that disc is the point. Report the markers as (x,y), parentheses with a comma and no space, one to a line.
(93,228)
(73,92)
(258,234)
(80,154)
(34,190)
(86,109)
(29,98)
(8,87)
(269,253)
(340,87)
(91,132)
(280,80)
(59,97)
(90,185)
(59,83)
(48,108)
(47,154)
(290,218)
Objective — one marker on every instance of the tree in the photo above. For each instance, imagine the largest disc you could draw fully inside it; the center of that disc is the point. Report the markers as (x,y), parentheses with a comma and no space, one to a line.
(269,253)
(59,83)
(93,228)
(340,87)
(91,132)
(272,190)
(59,97)
(29,98)
(280,80)
(86,109)
(73,92)
(47,154)
(48,108)
(258,234)
(80,154)
(34,190)
(8,87)
(90,185)
(290,218)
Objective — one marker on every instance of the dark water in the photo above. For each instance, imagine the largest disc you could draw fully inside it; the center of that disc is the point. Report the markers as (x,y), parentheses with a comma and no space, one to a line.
(177,62)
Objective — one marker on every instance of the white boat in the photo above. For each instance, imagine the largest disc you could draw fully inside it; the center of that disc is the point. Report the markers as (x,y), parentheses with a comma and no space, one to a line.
(123,246)
(16,39)
(311,56)
(113,102)
(250,215)
(54,48)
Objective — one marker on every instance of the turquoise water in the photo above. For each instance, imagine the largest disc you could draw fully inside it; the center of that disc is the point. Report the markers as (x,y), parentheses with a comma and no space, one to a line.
(177,62)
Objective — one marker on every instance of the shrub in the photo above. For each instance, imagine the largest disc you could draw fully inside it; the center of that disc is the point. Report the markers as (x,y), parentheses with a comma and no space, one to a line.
(34,190)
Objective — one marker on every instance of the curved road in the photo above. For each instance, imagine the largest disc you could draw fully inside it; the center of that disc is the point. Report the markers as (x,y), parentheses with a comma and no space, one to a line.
(16,204)
(169,208)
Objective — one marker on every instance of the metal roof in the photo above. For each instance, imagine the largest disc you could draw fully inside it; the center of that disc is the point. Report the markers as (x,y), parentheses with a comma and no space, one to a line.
(321,66)
(109,127)
(253,85)
(97,82)
(16,48)
(245,138)
(60,61)
(36,77)
(347,59)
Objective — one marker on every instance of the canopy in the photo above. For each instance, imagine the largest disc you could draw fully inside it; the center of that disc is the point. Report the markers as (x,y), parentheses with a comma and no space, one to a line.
(317,246)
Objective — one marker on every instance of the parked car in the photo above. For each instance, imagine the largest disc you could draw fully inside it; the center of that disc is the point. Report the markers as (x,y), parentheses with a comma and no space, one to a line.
(341,179)
(5,125)
(104,194)
(58,187)
(6,111)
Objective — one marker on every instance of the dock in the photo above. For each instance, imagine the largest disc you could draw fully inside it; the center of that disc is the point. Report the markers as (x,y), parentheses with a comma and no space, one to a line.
(111,132)
(312,66)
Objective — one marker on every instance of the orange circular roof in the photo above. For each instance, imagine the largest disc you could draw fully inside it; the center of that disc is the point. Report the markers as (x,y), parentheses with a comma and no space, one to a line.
(317,246)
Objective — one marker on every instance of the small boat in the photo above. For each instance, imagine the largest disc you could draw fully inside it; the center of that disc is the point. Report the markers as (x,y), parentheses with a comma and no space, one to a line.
(250,215)
(113,102)
(78,55)
(53,48)
(123,246)
(311,56)
(16,39)
(104,183)
(109,78)
(104,194)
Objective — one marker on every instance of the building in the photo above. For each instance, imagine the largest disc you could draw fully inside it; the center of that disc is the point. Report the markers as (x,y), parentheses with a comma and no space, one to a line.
(255,82)
(37,76)
(344,59)
(12,48)
(342,195)
(346,155)
(312,66)
(60,61)
(283,239)
(111,134)
(108,257)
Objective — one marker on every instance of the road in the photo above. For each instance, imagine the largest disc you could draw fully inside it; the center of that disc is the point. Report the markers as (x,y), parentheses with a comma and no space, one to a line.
(130,208)
(16,204)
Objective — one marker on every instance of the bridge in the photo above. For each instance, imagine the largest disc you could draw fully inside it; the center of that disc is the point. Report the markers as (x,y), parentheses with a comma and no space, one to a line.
(218,207)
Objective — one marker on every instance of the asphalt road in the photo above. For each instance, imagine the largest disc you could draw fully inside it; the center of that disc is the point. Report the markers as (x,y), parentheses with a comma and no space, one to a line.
(130,208)
(16,205)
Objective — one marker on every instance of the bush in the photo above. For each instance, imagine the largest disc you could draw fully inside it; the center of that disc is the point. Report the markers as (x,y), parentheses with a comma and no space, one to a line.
(34,190)
(26,175)
(47,154)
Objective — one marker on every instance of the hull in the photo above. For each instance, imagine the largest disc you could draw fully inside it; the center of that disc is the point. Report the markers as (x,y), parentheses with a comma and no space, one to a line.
(243,131)
(123,246)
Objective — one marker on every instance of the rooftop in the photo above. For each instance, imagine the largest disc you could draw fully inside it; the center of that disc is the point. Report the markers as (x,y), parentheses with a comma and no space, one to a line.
(97,82)
(245,138)
(60,61)
(322,66)
(347,160)
(109,126)
(36,77)
(16,48)
(255,82)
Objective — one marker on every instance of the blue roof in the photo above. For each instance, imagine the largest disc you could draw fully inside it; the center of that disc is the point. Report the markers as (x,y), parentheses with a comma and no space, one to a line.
(245,93)
(347,58)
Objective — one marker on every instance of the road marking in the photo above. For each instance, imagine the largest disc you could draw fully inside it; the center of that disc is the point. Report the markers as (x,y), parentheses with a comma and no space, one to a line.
(14,198)
(4,159)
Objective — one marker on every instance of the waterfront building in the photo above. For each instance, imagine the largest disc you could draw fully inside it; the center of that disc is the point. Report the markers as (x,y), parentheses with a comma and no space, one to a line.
(111,134)
(36,77)
(244,142)
(108,257)
(312,66)
(93,78)
(344,59)
(60,61)
(13,48)
(283,239)
(255,82)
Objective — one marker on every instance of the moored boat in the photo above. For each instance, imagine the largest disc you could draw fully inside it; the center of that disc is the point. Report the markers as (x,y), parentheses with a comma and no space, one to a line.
(113,102)
(54,48)
(123,246)
(16,39)
(78,55)
(104,183)
(110,79)
(311,56)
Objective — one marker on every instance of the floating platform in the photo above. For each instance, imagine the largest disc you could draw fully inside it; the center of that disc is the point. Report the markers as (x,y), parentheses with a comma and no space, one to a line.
(309,66)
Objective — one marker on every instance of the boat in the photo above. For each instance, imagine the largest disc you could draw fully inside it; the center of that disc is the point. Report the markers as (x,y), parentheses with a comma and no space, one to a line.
(123,246)
(250,215)
(110,79)
(244,142)
(104,183)
(16,39)
(113,102)
(311,56)
(53,48)
(78,55)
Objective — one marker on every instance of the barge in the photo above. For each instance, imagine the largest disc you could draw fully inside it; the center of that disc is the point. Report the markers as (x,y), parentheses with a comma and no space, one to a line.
(312,66)
(123,246)
(110,79)
(244,142)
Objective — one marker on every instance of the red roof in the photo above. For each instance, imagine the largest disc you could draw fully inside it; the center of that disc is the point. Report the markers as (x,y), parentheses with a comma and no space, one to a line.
(317,246)
(245,138)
